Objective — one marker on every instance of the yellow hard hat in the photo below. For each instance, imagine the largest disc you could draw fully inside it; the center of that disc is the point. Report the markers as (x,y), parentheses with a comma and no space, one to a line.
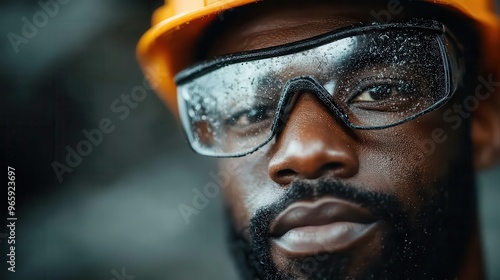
(169,45)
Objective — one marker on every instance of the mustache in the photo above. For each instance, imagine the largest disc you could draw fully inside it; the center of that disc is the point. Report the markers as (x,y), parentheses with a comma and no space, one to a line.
(384,206)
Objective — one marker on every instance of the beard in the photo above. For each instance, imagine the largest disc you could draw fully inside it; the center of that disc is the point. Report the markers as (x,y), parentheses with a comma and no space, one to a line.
(429,246)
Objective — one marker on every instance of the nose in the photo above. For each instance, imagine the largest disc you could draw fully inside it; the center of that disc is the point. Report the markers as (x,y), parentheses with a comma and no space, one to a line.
(313,143)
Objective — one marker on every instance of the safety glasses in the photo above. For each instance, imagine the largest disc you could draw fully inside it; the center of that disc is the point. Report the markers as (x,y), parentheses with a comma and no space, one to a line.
(371,77)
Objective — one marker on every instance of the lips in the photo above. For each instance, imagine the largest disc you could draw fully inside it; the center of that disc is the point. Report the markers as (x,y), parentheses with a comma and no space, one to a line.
(325,225)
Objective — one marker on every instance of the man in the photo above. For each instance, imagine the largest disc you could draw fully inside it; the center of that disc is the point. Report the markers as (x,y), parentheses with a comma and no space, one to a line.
(345,128)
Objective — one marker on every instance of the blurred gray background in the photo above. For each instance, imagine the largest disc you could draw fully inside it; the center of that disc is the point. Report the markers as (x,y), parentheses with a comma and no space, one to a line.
(117,212)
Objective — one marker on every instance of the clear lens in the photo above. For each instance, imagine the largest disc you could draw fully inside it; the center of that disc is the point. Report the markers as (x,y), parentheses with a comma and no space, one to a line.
(376,79)
(231,110)
(391,77)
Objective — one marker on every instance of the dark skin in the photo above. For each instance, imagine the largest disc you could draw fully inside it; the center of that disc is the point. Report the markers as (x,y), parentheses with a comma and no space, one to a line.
(385,161)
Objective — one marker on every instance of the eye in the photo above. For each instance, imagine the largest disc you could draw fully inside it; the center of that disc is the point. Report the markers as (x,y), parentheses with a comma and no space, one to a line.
(250,117)
(377,93)
(386,95)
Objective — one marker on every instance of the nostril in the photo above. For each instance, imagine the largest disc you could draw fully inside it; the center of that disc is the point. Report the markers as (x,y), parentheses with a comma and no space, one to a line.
(285,176)
(286,173)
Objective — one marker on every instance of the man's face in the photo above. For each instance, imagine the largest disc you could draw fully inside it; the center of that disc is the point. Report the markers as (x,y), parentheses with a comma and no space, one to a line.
(323,200)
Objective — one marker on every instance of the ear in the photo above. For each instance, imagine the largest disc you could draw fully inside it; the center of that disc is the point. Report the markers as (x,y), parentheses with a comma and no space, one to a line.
(486,125)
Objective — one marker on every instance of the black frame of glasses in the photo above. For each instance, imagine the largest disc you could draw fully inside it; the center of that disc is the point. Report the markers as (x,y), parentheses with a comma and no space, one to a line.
(300,83)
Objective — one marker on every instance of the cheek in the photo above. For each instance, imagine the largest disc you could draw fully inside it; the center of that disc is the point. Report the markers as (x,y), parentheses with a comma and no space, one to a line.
(249,187)
(410,160)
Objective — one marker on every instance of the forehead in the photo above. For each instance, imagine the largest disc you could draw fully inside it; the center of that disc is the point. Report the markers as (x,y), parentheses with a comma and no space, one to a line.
(273,23)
